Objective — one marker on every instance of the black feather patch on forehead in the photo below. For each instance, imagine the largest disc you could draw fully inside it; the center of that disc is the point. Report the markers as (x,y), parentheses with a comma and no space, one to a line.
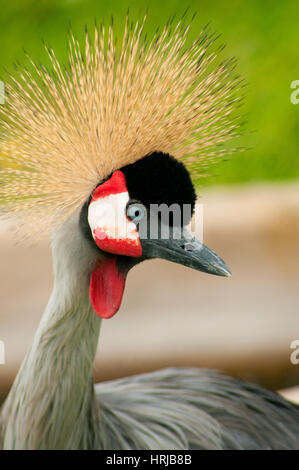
(161,179)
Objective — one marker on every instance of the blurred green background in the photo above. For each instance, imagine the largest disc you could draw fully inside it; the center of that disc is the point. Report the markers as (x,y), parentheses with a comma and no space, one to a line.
(263,35)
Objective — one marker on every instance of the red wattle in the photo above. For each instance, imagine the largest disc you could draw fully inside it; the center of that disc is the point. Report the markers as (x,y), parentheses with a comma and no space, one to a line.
(106,288)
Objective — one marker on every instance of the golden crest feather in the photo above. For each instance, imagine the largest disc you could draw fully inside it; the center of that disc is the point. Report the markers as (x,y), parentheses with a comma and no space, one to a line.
(66,130)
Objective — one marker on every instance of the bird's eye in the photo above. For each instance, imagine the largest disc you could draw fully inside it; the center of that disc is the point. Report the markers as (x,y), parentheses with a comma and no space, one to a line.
(135,211)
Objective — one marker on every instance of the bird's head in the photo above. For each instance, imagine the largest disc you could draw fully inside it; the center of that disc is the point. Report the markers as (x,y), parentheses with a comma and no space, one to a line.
(106,136)
(140,212)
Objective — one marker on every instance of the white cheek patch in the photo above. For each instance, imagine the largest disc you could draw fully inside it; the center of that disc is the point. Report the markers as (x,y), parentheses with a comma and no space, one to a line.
(111,229)
(108,214)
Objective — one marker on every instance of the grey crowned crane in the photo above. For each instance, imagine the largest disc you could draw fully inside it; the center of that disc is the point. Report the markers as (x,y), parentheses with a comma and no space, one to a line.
(89,152)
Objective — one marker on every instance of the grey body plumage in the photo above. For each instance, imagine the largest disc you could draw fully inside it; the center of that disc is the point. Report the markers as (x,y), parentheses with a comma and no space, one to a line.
(194,409)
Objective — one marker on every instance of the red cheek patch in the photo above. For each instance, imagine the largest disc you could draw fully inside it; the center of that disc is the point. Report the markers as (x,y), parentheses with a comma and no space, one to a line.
(121,246)
(106,287)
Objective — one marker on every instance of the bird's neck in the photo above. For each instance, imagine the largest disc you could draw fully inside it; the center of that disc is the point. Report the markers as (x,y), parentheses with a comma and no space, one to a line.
(52,404)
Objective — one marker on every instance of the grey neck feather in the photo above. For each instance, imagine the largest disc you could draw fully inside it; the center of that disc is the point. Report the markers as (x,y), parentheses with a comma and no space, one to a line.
(52,402)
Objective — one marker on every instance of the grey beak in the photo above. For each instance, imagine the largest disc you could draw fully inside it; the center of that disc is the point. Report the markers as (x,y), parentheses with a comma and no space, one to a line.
(183,248)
